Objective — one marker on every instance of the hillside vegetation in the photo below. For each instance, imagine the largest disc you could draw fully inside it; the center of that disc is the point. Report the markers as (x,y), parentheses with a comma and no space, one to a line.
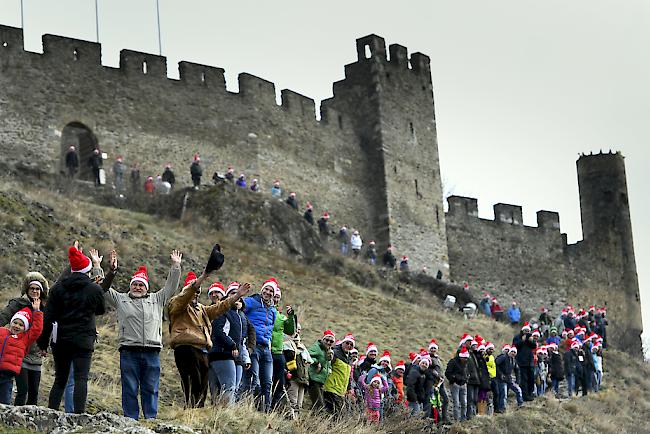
(36,226)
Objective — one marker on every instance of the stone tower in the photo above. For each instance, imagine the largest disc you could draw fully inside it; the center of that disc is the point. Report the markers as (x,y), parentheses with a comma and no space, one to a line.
(390,103)
(607,233)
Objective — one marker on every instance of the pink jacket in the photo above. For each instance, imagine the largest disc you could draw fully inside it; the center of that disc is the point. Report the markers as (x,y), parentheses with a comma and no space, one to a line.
(372,396)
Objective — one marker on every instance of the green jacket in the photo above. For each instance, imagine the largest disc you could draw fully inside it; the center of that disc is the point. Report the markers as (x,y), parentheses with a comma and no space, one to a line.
(280,328)
(319,354)
(338,381)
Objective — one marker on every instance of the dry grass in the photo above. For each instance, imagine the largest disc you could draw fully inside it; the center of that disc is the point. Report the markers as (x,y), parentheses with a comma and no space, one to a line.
(321,301)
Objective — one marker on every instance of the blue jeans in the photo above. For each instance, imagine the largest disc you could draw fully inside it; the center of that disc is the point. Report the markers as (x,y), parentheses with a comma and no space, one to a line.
(571,383)
(140,370)
(229,376)
(556,386)
(68,402)
(262,374)
(6,389)
(344,249)
(503,393)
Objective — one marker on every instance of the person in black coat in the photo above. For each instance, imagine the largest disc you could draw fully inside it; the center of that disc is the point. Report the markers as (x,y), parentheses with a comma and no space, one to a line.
(196,171)
(96,162)
(309,215)
(556,370)
(323,227)
(419,383)
(292,201)
(168,175)
(526,345)
(473,381)
(457,375)
(73,305)
(72,162)
(389,259)
(506,364)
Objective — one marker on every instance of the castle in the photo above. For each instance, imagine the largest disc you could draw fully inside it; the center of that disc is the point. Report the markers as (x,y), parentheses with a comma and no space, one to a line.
(371,161)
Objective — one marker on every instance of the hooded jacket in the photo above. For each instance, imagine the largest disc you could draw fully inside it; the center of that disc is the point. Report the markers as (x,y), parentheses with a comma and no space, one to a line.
(33,358)
(283,325)
(322,366)
(73,303)
(230,331)
(14,347)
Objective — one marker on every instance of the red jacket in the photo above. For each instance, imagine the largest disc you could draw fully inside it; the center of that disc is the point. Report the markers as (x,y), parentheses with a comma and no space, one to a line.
(13,348)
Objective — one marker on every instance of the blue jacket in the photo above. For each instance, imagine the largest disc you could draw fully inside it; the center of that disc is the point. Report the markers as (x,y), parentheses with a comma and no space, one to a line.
(555,339)
(228,333)
(262,317)
(514,314)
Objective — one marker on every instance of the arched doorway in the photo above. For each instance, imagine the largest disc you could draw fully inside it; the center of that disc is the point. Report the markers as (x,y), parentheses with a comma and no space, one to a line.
(84,140)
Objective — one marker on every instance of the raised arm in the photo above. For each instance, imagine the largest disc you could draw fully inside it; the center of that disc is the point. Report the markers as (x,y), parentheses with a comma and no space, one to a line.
(173,279)
(225,305)
(180,302)
(37,323)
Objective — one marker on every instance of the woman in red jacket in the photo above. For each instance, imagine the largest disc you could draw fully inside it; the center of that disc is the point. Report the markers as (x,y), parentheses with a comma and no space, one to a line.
(15,339)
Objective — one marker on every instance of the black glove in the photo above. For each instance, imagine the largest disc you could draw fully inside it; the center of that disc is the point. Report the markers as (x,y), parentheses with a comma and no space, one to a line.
(215,261)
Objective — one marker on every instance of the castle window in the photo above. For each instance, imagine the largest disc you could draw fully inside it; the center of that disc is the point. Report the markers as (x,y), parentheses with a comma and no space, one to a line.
(438,215)
(75,53)
(144,66)
(368,53)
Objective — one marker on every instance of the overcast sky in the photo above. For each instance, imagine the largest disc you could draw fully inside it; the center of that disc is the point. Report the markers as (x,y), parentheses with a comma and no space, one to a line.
(521,86)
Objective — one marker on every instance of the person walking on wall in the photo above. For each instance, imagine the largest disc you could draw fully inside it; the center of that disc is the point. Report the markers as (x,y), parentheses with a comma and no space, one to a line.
(72,162)
(344,240)
(514,314)
(371,253)
(168,175)
(196,171)
(96,162)
(73,304)
(356,243)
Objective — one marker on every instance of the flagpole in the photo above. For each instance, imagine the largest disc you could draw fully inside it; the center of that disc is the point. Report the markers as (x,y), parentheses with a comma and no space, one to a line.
(158,19)
(96,19)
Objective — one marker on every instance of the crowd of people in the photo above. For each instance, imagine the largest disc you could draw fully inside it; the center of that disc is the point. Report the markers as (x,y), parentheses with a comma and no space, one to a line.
(239,345)
(349,241)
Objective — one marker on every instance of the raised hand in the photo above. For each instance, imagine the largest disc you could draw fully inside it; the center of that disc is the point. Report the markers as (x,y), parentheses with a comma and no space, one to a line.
(243,289)
(112,259)
(36,304)
(94,256)
(76,246)
(177,257)
(289,310)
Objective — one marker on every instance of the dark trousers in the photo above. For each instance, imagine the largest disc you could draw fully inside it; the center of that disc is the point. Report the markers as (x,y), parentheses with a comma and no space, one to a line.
(279,364)
(66,355)
(96,176)
(334,403)
(27,383)
(527,382)
(316,395)
(193,367)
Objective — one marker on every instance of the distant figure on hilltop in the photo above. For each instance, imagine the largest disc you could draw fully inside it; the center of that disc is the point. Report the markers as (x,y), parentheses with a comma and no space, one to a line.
(168,176)
(309,214)
(241,181)
(514,314)
(230,174)
(371,253)
(149,186)
(344,240)
(276,191)
(255,186)
(323,227)
(389,260)
(404,264)
(96,162)
(71,161)
(119,168)
(196,171)
(356,242)
(292,201)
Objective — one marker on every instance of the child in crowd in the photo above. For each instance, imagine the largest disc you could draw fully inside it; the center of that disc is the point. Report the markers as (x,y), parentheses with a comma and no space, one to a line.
(374,393)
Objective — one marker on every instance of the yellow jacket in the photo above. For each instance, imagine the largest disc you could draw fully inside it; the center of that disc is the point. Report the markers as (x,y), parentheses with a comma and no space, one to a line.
(491,366)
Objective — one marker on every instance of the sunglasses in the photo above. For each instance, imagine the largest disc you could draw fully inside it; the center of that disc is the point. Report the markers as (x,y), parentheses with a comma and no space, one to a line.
(329,341)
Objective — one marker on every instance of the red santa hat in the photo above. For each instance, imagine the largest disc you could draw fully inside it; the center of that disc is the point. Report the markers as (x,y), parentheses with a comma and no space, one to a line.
(329,333)
(273,284)
(464,353)
(536,333)
(385,356)
(505,348)
(79,263)
(354,351)
(362,359)
(412,356)
(196,157)
(232,286)
(570,331)
(489,345)
(326,215)
(564,333)
(309,205)
(425,359)
(592,308)
(513,349)
(575,344)
(191,277)
(141,276)
(543,309)
(376,379)
(218,288)
(371,347)
(494,300)
(481,346)
(466,337)
(400,365)
(292,194)
(433,345)
(25,315)
(405,258)
(526,326)
(348,338)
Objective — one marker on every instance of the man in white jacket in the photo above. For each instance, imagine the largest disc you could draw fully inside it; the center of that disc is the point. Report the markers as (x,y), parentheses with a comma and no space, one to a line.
(356,243)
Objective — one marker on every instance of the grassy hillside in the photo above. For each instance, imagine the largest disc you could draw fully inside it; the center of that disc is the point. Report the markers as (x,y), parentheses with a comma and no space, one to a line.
(36,226)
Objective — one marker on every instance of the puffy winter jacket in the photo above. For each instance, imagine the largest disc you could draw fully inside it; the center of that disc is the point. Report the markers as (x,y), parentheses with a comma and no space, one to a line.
(283,325)
(140,319)
(556,367)
(228,333)
(491,365)
(525,350)
(73,303)
(13,348)
(338,382)
(262,317)
(505,366)
(322,366)
(456,371)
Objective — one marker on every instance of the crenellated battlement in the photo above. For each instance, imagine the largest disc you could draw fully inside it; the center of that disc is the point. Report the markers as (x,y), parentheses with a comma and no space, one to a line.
(461,207)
